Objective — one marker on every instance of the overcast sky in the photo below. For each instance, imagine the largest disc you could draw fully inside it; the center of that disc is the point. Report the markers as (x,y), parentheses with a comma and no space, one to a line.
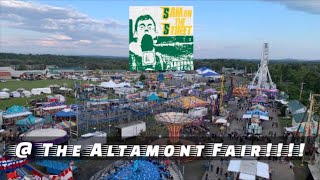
(222,29)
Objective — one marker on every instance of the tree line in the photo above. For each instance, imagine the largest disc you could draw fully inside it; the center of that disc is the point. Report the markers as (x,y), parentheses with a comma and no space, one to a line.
(287,74)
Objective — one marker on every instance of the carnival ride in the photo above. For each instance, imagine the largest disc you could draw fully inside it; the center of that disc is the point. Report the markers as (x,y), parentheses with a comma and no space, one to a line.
(309,128)
(240,92)
(174,122)
(106,114)
(21,168)
(262,81)
(139,169)
(52,135)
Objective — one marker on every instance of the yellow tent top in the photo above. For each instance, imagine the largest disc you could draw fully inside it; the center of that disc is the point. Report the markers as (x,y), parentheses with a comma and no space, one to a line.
(191,102)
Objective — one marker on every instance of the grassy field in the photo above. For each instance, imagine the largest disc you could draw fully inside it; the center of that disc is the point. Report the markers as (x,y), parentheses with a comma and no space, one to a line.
(28,85)
(23,101)
(284,122)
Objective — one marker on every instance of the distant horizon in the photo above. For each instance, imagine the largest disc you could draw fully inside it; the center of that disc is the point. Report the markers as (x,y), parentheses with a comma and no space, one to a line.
(125,57)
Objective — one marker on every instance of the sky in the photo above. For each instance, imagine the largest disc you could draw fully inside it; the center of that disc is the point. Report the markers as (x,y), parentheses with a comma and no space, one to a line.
(222,29)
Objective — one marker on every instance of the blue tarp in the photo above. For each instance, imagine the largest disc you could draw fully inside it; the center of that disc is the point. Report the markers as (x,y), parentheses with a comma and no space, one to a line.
(160,77)
(140,169)
(202,69)
(153,97)
(16,109)
(55,167)
(65,113)
(210,73)
(30,120)
(258,112)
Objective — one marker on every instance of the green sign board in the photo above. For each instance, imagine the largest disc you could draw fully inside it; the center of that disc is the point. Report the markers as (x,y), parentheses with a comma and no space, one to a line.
(160,38)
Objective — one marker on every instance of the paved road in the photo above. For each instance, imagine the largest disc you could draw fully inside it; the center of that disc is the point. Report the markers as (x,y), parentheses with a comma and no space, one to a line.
(88,168)
(279,170)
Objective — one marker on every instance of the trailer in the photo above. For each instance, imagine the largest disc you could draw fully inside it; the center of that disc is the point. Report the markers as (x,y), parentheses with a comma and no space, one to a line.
(91,138)
(38,91)
(198,112)
(131,129)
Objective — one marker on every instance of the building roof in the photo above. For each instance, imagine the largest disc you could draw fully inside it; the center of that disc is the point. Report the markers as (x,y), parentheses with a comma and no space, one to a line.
(66,68)
(129,124)
(295,105)
(6,68)
(298,117)
(33,72)
(5,74)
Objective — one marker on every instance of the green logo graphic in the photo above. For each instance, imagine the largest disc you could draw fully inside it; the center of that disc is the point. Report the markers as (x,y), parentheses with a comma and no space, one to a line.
(160,38)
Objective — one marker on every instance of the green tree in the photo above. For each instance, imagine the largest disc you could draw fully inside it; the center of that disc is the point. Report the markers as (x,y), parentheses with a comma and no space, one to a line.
(142,77)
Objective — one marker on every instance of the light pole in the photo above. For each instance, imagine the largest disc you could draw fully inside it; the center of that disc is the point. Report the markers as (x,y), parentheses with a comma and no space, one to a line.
(301,89)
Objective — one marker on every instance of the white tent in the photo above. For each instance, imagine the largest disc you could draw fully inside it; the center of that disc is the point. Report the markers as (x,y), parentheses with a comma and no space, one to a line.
(54,85)
(54,107)
(20,89)
(4,95)
(248,169)
(246,116)
(26,93)
(263,170)
(221,121)
(109,84)
(124,84)
(16,114)
(63,89)
(5,89)
(234,165)
(266,118)
(15,94)
(60,97)
(244,176)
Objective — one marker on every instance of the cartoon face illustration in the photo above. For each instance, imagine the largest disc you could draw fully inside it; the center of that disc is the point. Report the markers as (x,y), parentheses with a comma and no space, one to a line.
(145,25)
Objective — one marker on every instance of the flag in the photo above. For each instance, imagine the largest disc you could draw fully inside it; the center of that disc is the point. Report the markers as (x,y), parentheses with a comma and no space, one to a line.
(67,174)
(12,175)
(54,177)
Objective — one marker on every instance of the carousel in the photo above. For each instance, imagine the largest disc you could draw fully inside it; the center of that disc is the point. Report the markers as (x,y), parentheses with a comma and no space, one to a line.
(49,135)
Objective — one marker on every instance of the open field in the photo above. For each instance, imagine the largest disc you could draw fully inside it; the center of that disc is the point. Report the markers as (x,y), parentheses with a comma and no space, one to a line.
(28,85)
(23,101)
(284,122)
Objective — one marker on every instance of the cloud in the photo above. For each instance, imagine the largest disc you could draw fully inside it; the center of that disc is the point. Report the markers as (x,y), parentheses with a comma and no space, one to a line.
(61,37)
(65,27)
(84,41)
(308,6)
(47,42)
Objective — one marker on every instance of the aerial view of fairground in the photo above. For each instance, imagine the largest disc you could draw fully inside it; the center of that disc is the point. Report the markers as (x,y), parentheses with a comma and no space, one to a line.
(173,73)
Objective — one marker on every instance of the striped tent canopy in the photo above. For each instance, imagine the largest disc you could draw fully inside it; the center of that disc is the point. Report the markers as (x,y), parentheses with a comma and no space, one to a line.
(65,124)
